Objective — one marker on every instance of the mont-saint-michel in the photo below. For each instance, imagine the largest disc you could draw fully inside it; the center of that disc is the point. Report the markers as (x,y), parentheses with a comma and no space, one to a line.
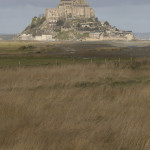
(71,81)
(72,20)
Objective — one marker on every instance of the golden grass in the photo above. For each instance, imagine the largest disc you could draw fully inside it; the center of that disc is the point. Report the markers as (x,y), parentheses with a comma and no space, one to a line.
(74,107)
(15,44)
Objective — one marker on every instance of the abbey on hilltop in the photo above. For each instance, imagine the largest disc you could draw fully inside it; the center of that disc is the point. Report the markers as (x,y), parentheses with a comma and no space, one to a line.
(70,8)
(72,20)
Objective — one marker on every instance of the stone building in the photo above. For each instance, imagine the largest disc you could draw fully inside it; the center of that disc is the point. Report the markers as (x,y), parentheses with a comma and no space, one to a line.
(30,37)
(43,38)
(69,8)
(95,35)
(118,35)
(26,37)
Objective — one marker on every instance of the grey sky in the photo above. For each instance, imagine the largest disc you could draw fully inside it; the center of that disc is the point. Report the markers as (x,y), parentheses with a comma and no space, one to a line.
(133,15)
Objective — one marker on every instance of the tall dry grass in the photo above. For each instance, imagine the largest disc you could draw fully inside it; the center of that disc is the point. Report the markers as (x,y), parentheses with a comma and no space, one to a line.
(74,107)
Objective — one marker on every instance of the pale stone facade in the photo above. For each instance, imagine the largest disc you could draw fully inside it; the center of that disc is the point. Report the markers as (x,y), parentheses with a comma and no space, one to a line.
(130,37)
(94,35)
(29,37)
(26,37)
(43,38)
(117,36)
(70,8)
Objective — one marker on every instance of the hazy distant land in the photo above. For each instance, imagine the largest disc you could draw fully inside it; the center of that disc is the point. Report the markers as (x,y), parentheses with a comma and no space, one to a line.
(7,37)
(142,36)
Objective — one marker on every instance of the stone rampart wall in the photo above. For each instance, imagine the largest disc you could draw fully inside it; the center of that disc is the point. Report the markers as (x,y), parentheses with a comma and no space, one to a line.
(64,10)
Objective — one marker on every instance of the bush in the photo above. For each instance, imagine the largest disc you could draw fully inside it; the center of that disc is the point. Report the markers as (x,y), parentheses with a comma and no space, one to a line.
(78,25)
(96,19)
(36,22)
(60,23)
(107,23)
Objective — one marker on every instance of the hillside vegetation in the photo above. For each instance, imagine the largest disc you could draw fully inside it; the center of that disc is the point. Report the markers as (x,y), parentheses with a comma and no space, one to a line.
(34,27)
(75,107)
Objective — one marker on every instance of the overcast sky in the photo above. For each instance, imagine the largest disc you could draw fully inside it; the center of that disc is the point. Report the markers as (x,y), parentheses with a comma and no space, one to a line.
(133,15)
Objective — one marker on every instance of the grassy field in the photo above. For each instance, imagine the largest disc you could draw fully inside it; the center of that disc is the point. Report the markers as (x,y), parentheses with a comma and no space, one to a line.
(14,54)
(74,107)
(50,101)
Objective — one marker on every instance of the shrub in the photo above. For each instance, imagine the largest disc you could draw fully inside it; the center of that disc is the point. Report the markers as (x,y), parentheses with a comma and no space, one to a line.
(60,23)
(107,23)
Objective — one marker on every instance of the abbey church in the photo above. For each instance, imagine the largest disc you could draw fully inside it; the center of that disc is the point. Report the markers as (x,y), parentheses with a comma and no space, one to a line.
(70,8)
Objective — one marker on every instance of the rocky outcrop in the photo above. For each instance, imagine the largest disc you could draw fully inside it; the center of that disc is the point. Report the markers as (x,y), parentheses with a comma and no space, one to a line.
(73,20)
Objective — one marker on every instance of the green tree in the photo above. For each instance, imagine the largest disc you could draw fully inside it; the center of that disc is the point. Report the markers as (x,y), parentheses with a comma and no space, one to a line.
(96,19)
(78,25)
(106,23)
(70,15)
(60,23)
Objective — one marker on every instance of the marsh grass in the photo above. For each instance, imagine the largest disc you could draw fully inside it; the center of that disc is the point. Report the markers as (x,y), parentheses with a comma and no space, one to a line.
(74,107)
